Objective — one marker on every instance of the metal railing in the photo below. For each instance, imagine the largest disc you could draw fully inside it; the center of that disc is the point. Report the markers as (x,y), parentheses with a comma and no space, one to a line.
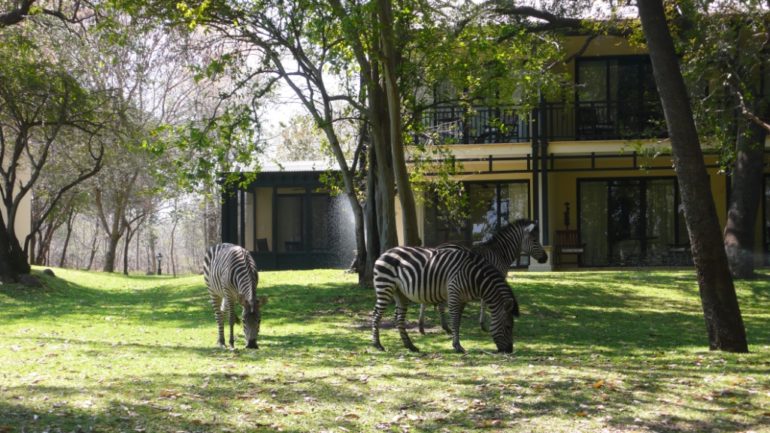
(584,120)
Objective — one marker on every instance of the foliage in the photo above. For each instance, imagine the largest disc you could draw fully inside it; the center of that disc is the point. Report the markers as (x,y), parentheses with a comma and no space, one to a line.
(724,57)
(595,351)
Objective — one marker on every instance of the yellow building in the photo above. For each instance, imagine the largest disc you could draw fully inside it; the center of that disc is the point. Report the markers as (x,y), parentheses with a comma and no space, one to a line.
(594,170)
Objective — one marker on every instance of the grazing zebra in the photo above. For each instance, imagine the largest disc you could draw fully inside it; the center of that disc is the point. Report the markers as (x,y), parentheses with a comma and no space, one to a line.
(231,277)
(500,251)
(433,276)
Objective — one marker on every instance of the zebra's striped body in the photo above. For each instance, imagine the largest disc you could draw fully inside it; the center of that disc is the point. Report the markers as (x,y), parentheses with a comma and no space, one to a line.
(231,277)
(500,251)
(433,276)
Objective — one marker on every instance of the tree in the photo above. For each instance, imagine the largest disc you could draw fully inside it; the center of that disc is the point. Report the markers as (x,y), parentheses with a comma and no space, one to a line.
(722,49)
(15,12)
(724,323)
(44,112)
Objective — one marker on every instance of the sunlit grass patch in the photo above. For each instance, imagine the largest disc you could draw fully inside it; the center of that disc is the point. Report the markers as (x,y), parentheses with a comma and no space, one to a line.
(616,351)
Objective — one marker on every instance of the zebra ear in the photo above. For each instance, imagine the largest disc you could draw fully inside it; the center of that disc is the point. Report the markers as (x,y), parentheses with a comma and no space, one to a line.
(262,300)
(530,227)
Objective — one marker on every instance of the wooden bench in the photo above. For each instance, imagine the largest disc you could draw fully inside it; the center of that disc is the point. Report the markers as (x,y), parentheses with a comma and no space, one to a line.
(567,242)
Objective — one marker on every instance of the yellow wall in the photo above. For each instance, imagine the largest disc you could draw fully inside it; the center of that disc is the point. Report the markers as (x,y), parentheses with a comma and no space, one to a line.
(23,222)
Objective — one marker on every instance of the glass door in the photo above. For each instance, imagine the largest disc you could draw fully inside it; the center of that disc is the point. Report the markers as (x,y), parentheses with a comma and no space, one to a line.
(631,222)
(625,222)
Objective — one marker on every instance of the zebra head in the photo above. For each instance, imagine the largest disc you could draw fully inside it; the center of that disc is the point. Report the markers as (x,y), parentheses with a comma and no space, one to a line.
(252,318)
(530,244)
(503,312)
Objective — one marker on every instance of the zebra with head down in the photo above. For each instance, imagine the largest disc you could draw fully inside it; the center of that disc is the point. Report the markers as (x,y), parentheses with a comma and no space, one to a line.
(231,276)
(502,249)
(432,276)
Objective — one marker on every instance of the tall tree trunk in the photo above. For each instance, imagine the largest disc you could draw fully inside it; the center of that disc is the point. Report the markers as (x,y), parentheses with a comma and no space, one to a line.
(393,97)
(129,235)
(745,196)
(386,211)
(94,248)
(111,253)
(724,323)
(8,273)
(70,223)
(372,231)
(172,248)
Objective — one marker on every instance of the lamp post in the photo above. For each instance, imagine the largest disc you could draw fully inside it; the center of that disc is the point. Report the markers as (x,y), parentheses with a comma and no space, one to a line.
(160,257)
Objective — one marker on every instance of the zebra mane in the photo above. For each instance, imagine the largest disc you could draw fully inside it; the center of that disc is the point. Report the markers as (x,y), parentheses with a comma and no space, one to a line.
(500,234)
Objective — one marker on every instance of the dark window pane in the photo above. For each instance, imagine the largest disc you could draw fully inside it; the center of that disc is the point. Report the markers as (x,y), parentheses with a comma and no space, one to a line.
(320,223)
(661,217)
(484,212)
(289,223)
(593,222)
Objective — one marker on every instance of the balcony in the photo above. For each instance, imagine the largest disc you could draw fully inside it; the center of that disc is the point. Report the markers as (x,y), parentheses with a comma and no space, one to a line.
(584,120)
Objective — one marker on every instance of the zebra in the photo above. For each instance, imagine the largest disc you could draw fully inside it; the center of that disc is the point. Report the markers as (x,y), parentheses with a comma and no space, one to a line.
(500,251)
(231,277)
(433,276)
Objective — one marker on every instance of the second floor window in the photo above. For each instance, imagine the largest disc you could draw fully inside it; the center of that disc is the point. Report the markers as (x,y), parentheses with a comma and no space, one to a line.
(616,97)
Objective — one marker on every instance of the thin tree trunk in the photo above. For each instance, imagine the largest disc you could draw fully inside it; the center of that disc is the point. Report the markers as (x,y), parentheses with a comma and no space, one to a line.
(745,196)
(70,223)
(372,237)
(129,235)
(173,255)
(93,247)
(724,323)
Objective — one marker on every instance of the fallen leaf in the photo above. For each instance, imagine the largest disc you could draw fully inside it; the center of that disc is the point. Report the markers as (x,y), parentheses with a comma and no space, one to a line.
(598,384)
(581,414)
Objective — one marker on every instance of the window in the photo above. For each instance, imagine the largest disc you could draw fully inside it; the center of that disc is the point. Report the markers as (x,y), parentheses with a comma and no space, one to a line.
(632,222)
(616,97)
(289,223)
(491,204)
(321,225)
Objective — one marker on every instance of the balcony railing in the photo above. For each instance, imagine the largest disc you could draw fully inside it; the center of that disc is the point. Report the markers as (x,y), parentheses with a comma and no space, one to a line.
(585,120)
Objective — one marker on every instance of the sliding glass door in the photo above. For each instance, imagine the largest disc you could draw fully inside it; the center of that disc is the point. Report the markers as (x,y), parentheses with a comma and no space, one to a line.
(631,222)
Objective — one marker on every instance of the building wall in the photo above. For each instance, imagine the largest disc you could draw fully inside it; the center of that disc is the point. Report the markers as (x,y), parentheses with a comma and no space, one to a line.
(23,222)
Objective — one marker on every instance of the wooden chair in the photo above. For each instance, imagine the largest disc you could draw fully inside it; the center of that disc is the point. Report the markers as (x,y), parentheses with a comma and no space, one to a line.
(567,242)
(262,245)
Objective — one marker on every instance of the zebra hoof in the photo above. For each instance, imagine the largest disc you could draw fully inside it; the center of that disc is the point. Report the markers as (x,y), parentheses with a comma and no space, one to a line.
(379,347)
(421,329)
(412,348)
(458,348)
(252,344)
(448,331)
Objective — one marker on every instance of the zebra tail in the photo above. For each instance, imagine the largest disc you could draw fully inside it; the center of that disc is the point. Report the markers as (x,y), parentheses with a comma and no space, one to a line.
(515,307)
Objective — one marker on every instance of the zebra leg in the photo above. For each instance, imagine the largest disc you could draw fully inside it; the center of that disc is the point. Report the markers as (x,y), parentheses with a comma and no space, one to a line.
(231,314)
(441,307)
(483,318)
(401,303)
(384,296)
(456,314)
(421,320)
(216,302)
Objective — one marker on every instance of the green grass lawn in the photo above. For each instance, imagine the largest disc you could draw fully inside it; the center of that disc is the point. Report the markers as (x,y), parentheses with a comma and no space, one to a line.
(594,351)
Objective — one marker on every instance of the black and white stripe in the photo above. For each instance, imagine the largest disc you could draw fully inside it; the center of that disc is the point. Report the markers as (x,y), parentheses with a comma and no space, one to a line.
(434,276)
(503,249)
(231,277)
